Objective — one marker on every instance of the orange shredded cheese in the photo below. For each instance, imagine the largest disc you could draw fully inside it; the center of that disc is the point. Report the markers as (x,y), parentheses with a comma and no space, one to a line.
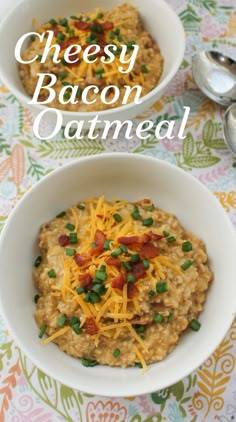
(141,359)
(54,336)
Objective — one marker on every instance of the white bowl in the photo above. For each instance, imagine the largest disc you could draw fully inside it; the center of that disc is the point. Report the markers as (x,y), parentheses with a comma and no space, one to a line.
(123,176)
(159,19)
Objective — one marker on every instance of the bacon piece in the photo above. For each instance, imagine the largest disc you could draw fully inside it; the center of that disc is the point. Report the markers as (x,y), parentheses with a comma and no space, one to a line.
(99,238)
(55,31)
(68,42)
(107,25)
(132,240)
(97,250)
(83,26)
(81,259)
(138,270)
(63,240)
(140,320)
(86,281)
(149,250)
(90,326)
(131,290)
(113,262)
(154,236)
(118,282)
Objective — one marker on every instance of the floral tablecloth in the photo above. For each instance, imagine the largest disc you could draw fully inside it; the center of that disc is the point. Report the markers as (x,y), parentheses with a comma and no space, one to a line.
(208,394)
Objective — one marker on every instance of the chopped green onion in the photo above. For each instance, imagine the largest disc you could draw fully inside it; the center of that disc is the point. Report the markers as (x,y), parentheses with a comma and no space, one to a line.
(80,290)
(100,289)
(74,320)
(120,38)
(100,275)
(53,22)
(116,353)
(73,238)
(146,264)
(142,336)
(165,233)
(124,248)
(61,321)
(89,363)
(51,273)
(60,37)
(77,18)
(140,328)
(158,317)
(130,278)
(66,83)
(195,325)
(135,214)
(32,37)
(126,265)
(106,244)
(92,297)
(78,94)
(150,208)
(62,76)
(64,62)
(117,217)
(151,293)
(144,68)
(63,22)
(134,258)
(38,261)
(76,328)
(138,364)
(66,96)
(117,31)
(171,239)
(39,57)
(170,317)
(147,222)
(93,244)
(162,287)
(43,330)
(81,207)
(103,268)
(70,226)
(187,246)
(100,15)
(36,298)
(62,214)
(116,252)
(70,252)
(186,264)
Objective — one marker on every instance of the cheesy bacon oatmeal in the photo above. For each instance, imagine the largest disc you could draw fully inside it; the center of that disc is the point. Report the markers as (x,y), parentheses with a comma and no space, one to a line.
(120,26)
(118,282)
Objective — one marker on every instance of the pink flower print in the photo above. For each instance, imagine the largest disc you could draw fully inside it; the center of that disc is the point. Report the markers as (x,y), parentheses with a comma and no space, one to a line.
(104,412)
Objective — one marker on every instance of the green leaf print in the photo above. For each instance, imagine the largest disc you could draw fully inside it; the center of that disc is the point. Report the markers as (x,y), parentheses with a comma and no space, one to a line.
(2,221)
(190,19)
(70,148)
(203,162)
(145,144)
(69,401)
(6,352)
(36,170)
(154,418)
(178,390)
(4,147)
(188,147)
(210,136)
(195,155)
(160,397)
(136,418)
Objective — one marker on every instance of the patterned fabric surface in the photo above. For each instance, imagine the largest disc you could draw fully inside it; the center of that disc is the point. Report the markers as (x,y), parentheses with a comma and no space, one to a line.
(208,394)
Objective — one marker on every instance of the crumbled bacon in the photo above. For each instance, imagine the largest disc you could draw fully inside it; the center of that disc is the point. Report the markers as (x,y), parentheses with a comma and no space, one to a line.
(82,25)
(69,42)
(118,282)
(149,250)
(140,320)
(86,281)
(107,25)
(154,236)
(131,290)
(113,262)
(90,326)
(129,240)
(99,238)
(138,270)
(63,240)
(81,259)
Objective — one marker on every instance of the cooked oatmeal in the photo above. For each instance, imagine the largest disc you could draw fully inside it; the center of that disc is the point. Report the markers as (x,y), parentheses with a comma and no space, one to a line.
(120,26)
(118,282)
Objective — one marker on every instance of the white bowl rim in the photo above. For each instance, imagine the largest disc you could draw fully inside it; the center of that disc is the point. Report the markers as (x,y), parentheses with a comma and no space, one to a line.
(181,41)
(93,389)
